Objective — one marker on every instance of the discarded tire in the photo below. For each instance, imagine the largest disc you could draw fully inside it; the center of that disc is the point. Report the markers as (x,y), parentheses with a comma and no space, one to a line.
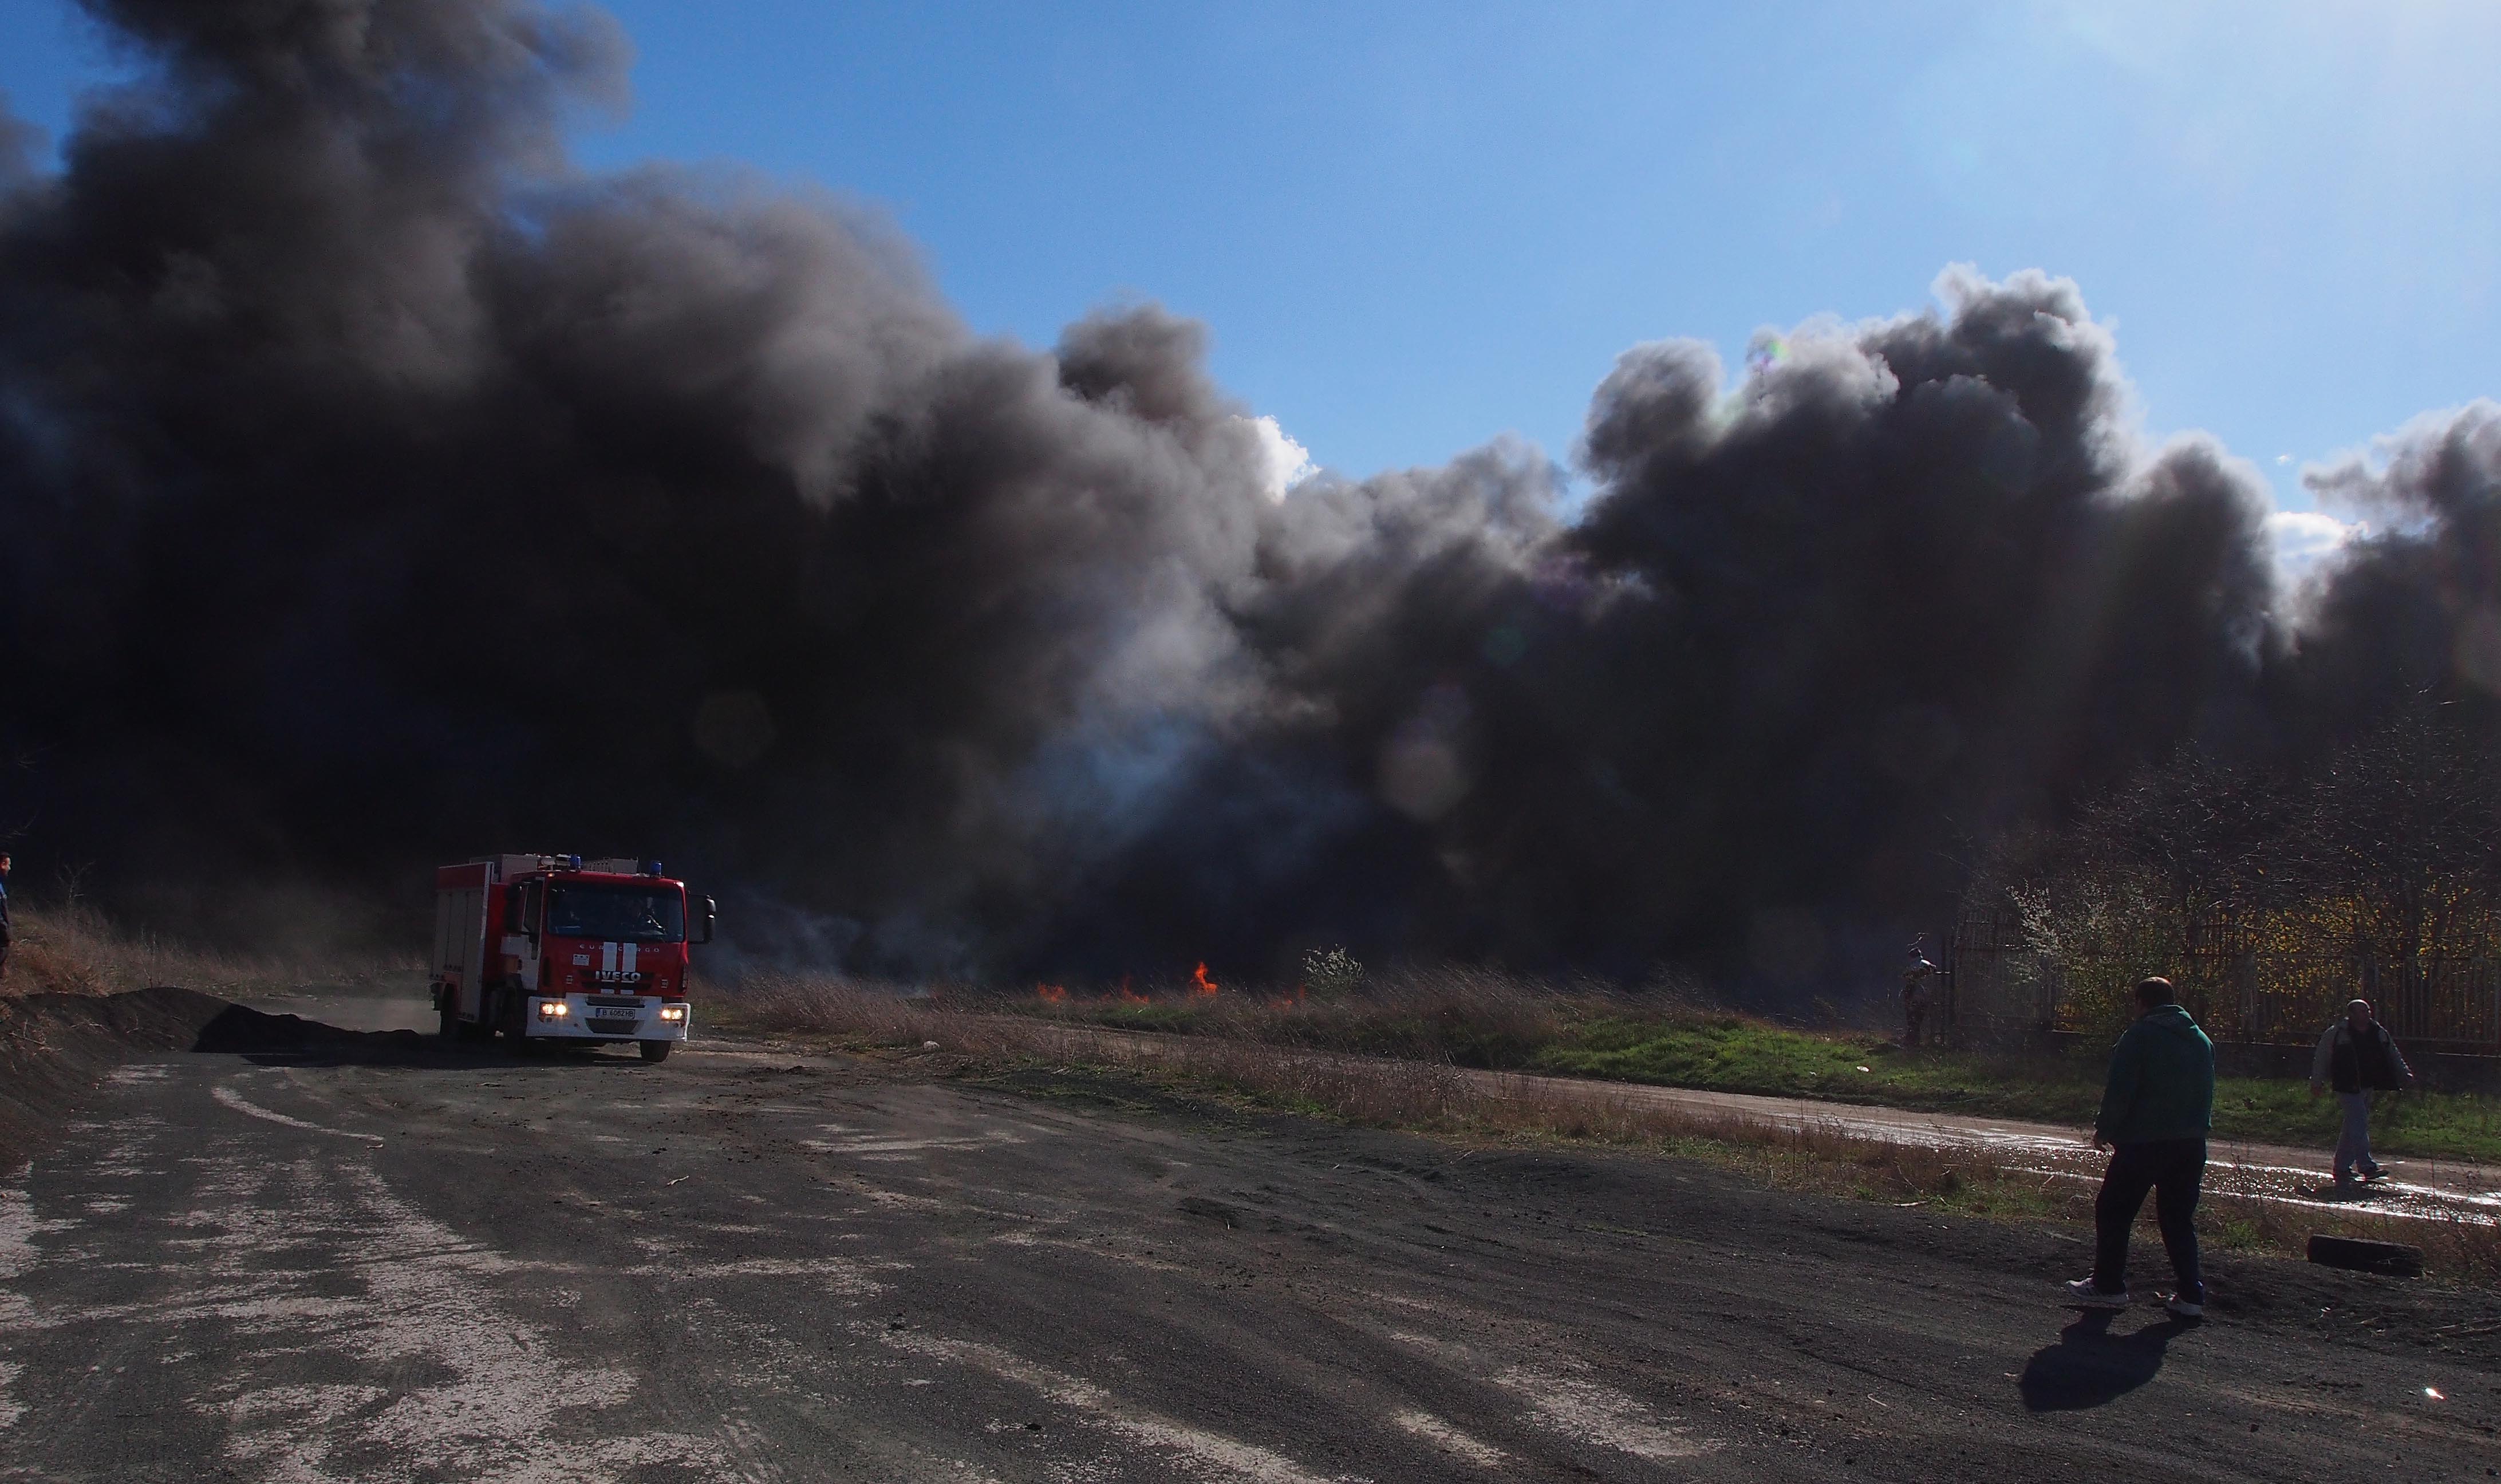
(2391,1259)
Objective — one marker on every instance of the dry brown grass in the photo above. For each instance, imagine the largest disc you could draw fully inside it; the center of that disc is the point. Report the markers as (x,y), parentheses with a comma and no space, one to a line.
(1400,1092)
(1431,1096)
(75,950)
(2454,1248)
(1383,1090)
(1468,1015)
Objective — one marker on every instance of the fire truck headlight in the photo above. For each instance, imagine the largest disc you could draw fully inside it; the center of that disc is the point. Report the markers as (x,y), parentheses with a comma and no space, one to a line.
(553,1009)
(672,1012)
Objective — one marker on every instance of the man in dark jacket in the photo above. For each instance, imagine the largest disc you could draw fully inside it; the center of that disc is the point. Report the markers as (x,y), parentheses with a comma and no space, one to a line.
(2357,1057)
(2156,1108)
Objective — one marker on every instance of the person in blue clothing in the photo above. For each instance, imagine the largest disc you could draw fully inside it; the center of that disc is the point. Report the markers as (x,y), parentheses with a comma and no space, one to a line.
(2156,1108)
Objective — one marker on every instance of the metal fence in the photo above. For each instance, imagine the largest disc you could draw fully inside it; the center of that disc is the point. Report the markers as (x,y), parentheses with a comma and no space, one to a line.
(2001,991)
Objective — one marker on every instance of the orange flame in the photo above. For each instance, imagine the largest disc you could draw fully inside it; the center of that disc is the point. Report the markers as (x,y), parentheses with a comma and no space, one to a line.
(1205,985)
(1129,995)
(1051,994)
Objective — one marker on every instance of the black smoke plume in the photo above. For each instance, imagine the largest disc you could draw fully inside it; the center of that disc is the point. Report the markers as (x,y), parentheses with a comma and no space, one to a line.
(375,489)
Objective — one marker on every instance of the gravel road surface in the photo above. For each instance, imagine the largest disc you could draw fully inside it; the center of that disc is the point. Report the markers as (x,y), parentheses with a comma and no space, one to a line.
(380,1260)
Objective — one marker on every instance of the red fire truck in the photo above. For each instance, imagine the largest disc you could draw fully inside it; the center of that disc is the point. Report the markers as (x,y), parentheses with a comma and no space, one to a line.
(553,949)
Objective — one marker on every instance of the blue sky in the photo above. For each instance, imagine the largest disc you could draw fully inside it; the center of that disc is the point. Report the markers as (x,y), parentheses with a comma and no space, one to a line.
(1413,228)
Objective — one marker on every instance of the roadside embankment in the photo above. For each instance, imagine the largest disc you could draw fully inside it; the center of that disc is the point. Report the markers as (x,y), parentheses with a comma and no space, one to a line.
(1479,1018)
(54,1048)
(2253,1206)
(82,995)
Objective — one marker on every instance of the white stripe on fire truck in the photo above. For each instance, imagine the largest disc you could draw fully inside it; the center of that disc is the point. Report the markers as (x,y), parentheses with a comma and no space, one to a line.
(632,952)
(608,958)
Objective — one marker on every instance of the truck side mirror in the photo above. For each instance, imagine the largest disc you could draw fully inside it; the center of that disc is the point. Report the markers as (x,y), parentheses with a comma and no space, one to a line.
(705,920)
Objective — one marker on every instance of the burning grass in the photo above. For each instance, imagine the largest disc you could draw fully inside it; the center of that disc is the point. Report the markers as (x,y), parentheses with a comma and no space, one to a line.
(1403,1090)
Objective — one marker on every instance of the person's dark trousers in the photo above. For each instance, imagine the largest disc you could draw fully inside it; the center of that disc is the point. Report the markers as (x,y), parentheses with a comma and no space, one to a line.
(2172,1168)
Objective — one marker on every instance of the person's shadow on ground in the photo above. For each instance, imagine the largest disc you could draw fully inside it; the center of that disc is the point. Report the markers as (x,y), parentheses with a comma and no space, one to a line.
(2090,1366)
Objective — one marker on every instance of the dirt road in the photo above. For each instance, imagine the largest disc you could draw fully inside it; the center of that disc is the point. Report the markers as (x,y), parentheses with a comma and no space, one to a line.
(380,1261)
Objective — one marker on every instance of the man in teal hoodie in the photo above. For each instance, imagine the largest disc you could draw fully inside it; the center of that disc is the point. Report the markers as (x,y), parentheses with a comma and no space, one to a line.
(2156,1108)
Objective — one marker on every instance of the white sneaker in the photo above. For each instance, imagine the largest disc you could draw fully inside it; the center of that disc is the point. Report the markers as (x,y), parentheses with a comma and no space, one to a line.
(2083,1292)
(2183,1307)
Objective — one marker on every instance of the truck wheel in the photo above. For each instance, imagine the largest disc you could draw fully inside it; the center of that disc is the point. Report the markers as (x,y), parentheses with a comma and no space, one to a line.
(505,1010)
(656,1050)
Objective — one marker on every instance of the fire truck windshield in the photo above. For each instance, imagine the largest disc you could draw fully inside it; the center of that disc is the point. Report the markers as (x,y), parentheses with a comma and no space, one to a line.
(625,914)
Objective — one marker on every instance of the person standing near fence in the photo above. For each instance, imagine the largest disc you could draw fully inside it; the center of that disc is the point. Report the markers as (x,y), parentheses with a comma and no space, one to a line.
(2359,1057)
(1917,979)
(2156,1108)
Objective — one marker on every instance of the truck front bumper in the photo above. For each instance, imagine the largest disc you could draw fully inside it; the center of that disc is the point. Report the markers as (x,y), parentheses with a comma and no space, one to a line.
(595,1017)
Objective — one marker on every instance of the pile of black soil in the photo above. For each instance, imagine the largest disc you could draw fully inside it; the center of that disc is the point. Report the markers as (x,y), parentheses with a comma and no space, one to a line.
(56,1048)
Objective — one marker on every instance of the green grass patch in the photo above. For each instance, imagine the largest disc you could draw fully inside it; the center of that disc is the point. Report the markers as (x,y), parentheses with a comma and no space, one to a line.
(1734,1054)
(2455,1126)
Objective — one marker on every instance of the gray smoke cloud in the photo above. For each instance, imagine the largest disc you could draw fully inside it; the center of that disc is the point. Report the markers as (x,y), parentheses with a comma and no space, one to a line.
(2414,609)
(377,488)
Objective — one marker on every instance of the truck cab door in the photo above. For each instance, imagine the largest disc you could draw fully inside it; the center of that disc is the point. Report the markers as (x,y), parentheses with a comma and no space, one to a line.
(522,937)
